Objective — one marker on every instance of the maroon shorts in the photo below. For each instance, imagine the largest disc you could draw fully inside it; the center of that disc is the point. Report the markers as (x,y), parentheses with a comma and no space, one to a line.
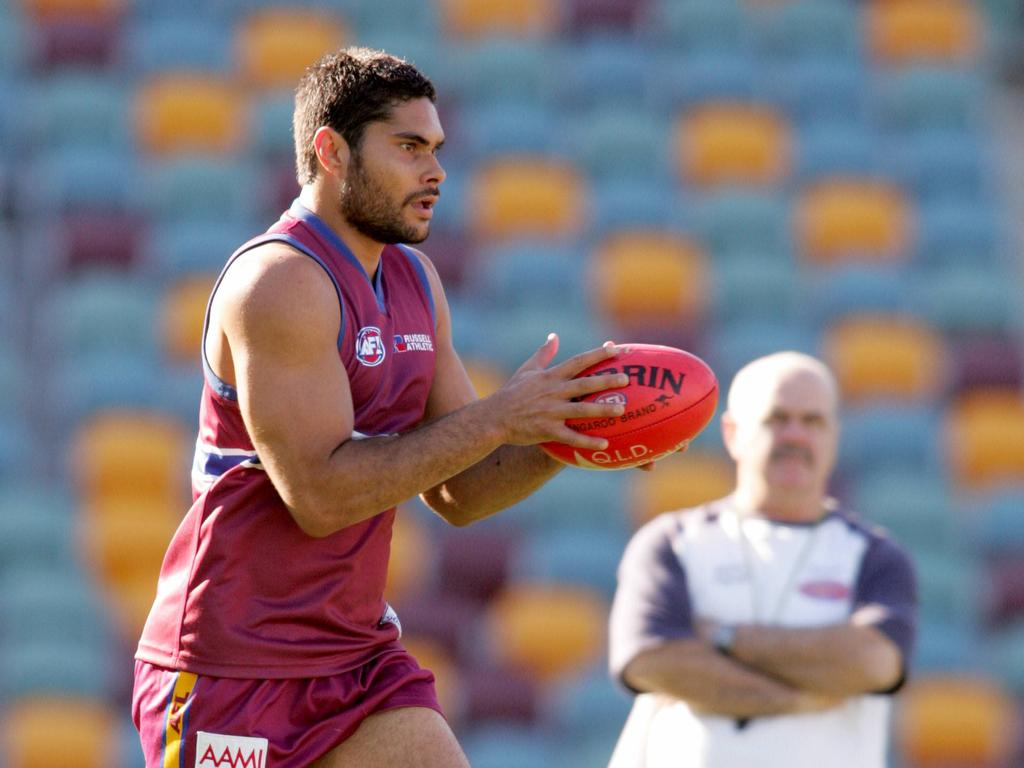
(190,721)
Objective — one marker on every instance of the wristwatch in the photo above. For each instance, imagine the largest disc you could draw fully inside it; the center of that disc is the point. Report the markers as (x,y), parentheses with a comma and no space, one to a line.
(723,637)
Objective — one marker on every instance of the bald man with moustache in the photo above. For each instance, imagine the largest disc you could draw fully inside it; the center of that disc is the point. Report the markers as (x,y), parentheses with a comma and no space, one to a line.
(770,627)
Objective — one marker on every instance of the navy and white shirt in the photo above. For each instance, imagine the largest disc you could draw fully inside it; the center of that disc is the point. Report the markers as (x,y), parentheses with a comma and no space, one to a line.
(715,563)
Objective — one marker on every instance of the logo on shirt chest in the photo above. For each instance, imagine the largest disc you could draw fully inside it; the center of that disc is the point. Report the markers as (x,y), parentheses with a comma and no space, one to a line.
(370,348)
(825,589)
(413,342)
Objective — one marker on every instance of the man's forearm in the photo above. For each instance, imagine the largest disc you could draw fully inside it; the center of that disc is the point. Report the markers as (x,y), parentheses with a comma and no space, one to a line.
(693,671)
(835,660)
(502,478)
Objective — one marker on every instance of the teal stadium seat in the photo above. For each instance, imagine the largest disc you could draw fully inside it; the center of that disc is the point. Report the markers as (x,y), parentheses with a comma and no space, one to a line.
(506,70)
(964,300)
(509,746)
(575,501)
(588,712)
(921,99)
(583,556)
(173,250)
(79,111)
(938,167)
(681,79)
(37,522)
(270,115)
(967,234)
(15,42)
(822,89)
(77,179)
(56,634)
(98,314)
(606,71)
(857,289)
(892,436)
(187,188)
(510,127)
(998,525)
(524,274)
(172,43)
(632,202)
(741,222)
(695,25)
(809,28)
(757,288)
(834,148)
(1007,661)
(915,505)
(396,16)
(611,142)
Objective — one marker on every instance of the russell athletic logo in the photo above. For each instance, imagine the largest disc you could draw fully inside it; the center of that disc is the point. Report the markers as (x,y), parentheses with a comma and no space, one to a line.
(215,750)
(370,346)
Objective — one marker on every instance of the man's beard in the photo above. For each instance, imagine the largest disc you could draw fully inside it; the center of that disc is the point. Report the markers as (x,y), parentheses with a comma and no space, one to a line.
(367,207)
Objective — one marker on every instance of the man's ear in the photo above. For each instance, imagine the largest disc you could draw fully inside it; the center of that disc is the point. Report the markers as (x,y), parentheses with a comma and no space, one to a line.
(332,151)
(728,432)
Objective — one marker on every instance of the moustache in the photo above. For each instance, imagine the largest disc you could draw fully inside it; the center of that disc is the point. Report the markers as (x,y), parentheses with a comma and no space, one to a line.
(792,452)
(431,192)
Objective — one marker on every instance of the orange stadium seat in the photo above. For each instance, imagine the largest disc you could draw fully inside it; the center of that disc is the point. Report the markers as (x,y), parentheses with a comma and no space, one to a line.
(45,732)
(639,276)
(187,112)
(838,219)
(733,144)
(486,376)
(273,46)
(548,630)
(527,196)
(124,540)
(902,31)
(878,357)
(182,312)
(679,481)
(942,722)
(411,556)
(472,19)
(985,437)
(448,680)
(134,454)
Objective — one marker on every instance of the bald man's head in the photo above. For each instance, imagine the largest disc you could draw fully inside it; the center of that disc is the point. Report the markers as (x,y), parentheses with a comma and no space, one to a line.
(757,379)
(781,426)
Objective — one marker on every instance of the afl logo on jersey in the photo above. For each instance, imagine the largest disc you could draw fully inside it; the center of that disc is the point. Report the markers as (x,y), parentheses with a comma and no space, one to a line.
(370,346)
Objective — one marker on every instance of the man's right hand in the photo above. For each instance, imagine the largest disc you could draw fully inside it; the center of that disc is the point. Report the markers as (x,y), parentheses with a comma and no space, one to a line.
(533,405)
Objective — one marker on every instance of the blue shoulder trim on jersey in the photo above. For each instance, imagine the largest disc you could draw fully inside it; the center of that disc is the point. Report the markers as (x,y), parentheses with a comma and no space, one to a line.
(220,386)
(422,272)
(301,212)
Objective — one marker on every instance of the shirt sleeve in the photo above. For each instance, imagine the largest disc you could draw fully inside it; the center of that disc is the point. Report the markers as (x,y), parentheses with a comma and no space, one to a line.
(887,588)
(652,601)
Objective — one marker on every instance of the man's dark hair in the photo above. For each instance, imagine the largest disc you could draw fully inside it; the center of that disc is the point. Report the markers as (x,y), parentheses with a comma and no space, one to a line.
(345,91)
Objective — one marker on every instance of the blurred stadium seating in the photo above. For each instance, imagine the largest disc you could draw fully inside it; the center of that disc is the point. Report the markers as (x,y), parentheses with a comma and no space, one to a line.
(731,176)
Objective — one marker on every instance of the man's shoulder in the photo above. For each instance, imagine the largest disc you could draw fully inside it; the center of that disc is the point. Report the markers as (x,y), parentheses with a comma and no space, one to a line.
(879,542)
(676,522)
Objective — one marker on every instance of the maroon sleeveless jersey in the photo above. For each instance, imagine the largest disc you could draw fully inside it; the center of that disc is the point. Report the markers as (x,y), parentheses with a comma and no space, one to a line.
(243,592)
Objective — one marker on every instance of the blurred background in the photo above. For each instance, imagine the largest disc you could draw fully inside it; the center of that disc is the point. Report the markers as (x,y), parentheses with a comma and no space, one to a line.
(730,176)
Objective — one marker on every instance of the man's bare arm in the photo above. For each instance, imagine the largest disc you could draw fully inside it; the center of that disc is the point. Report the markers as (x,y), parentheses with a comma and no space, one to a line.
(279,318)
(691,670)
(835,660)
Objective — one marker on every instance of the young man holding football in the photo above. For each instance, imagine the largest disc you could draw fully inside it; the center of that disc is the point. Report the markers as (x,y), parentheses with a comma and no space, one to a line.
(333,393)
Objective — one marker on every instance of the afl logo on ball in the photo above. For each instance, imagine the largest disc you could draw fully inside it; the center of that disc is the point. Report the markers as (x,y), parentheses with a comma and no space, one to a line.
(370,346)
(612,398)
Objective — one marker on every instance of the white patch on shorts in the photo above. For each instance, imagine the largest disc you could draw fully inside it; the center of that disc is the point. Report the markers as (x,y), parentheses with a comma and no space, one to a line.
(215,750)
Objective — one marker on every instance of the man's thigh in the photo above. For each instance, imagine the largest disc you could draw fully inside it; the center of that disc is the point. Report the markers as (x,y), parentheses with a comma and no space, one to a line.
(409,737)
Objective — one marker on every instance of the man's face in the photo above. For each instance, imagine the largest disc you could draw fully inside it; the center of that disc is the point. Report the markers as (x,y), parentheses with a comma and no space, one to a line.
(393,177)
(787,433)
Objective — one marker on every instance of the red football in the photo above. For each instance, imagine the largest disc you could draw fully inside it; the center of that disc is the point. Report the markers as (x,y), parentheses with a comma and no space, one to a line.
(670,398)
